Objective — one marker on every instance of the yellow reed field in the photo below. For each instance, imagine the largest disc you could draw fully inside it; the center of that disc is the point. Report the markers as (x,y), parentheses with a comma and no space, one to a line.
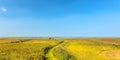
(60,49)
(8,40)
(95,49)
(25,49)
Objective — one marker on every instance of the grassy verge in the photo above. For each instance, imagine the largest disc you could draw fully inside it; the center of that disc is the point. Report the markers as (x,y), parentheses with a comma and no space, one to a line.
(61,54)
(49,53)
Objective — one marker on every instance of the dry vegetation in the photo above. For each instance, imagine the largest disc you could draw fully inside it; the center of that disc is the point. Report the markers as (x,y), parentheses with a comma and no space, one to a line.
(24,49)
(95,49)
(60,49)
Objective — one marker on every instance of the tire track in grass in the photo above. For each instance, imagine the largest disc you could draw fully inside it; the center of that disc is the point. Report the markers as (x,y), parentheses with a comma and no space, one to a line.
(49,54)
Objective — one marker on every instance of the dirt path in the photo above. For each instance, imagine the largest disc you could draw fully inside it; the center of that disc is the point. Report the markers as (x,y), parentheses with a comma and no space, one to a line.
(50,55)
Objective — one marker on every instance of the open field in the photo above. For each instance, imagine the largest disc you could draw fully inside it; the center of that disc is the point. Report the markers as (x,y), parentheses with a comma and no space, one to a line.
(60,49)
(25,49)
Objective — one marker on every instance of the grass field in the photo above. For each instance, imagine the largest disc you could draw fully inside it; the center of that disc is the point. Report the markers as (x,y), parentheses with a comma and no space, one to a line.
(60,49)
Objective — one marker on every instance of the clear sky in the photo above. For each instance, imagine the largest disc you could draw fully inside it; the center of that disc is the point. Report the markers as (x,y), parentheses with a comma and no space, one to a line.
(60,18)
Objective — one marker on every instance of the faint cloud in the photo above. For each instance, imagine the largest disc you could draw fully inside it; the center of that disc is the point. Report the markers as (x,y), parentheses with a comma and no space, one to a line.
(3,9)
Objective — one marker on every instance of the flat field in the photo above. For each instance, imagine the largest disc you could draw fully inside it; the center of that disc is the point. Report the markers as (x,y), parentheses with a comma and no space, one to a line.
(60,49)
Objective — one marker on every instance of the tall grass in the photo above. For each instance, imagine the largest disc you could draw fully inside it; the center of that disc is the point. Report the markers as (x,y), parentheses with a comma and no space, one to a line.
(71,49)
(90,49)
(25,50)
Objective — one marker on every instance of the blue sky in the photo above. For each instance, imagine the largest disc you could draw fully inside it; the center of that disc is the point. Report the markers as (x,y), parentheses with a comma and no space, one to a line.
(59,18)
